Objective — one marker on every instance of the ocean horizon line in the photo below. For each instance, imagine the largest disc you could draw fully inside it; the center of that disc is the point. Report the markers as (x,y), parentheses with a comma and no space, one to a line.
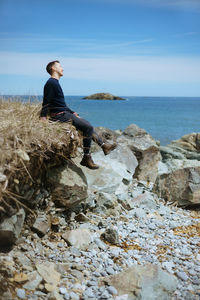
(133,96)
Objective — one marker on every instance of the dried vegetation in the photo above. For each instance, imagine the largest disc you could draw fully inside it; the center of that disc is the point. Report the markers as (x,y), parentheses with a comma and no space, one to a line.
(27,148)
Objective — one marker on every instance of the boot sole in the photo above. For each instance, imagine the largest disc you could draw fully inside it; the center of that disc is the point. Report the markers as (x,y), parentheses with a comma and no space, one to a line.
(89,167)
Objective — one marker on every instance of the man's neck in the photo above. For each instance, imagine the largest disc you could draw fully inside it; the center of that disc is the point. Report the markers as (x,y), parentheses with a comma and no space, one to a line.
(55,76)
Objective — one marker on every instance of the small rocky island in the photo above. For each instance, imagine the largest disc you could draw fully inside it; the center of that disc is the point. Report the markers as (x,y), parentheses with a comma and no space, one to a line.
(103,96)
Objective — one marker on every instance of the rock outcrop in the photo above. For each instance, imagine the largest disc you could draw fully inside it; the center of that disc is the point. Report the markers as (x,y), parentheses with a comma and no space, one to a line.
(181,186)
(103,96)
(179,172)
(68,185)
(145,150)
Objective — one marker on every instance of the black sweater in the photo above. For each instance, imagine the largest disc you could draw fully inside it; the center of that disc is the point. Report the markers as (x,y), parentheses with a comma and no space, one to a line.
(53,98)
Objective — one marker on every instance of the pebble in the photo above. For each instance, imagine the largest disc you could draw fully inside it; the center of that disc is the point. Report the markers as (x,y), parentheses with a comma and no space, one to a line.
(73,296)
(21,293)
(182,275)
(110,271)
(112,290)
(62,290)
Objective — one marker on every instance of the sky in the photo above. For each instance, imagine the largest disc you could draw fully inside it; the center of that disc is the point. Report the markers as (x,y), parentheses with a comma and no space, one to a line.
(125,47)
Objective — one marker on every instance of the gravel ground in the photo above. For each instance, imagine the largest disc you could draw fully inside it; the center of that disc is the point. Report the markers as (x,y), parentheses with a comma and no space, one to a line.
(156,234)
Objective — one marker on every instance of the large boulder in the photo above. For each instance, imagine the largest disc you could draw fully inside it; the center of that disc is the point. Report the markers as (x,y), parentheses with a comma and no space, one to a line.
(181,186)
(143,282)
(179,171)
(68,185)
(189,142)
(115,172)
(145,149)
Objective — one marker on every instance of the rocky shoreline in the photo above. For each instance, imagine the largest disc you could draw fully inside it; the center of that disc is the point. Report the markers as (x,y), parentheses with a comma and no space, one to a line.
(114,233)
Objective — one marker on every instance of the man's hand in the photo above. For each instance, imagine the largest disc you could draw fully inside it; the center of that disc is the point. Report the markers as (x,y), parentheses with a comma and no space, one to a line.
(43,119)
(75,113)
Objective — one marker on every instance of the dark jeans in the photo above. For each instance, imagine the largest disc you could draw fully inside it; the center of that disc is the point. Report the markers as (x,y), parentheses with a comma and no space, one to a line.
(84,126)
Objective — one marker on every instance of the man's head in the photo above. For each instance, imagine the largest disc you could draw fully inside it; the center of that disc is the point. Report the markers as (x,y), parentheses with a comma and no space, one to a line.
(54,68)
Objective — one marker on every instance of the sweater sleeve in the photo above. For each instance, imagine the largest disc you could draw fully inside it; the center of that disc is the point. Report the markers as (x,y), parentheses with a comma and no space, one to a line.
(48,95)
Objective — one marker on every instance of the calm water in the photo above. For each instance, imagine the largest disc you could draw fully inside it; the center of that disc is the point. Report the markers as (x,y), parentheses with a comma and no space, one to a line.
(165,118)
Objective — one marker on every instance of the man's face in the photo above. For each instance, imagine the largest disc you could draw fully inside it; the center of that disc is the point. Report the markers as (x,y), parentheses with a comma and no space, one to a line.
(58,69)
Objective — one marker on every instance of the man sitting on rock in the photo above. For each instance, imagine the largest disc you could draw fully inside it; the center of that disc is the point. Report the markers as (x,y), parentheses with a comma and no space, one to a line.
(54,105)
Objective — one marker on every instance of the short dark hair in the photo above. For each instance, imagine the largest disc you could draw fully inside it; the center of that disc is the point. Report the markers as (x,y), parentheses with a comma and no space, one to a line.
(50,65)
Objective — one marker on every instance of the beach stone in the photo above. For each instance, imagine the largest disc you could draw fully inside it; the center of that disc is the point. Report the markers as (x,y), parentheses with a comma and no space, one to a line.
(10,228)
(68,185)
(48,272)
(145,150)
(21,294)
(181,186)
(143,282)
(34,279)
(54,295)
(112,290)
(107,200)
(79,238)
(42,224)
(182,275)
(146,199)
(111,235)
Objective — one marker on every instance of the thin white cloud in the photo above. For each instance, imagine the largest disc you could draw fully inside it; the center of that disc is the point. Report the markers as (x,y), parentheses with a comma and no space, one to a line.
(191,5)
(187,34)
(111,69)
(81,44)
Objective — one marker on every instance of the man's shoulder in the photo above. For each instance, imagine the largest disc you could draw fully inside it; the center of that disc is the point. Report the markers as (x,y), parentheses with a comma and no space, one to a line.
(51,82)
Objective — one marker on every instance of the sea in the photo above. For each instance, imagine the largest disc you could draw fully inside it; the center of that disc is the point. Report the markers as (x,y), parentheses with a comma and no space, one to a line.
(164,118)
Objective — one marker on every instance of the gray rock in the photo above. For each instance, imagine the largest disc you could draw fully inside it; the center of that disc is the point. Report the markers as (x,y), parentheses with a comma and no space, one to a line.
(107,200)
(34,279)
(111,235)
(182,275)
(42,224)
(144,282)
(68,185)
(21,293)
(48,272)
(10,228)
(54,295)
(112,290)
(110,271)
(73,296)
(139,213)
(187,192)
(145,149)
(79,238)
(100,244)
(114,171)
(169,152)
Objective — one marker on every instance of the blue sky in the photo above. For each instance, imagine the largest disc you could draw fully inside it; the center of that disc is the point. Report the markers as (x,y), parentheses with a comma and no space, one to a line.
(126,47)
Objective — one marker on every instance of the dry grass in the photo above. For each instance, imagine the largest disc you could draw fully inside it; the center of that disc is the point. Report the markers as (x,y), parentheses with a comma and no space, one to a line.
(28,146)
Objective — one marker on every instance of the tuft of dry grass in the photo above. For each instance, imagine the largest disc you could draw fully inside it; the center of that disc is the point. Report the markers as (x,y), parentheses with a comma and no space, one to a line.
(27,146)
